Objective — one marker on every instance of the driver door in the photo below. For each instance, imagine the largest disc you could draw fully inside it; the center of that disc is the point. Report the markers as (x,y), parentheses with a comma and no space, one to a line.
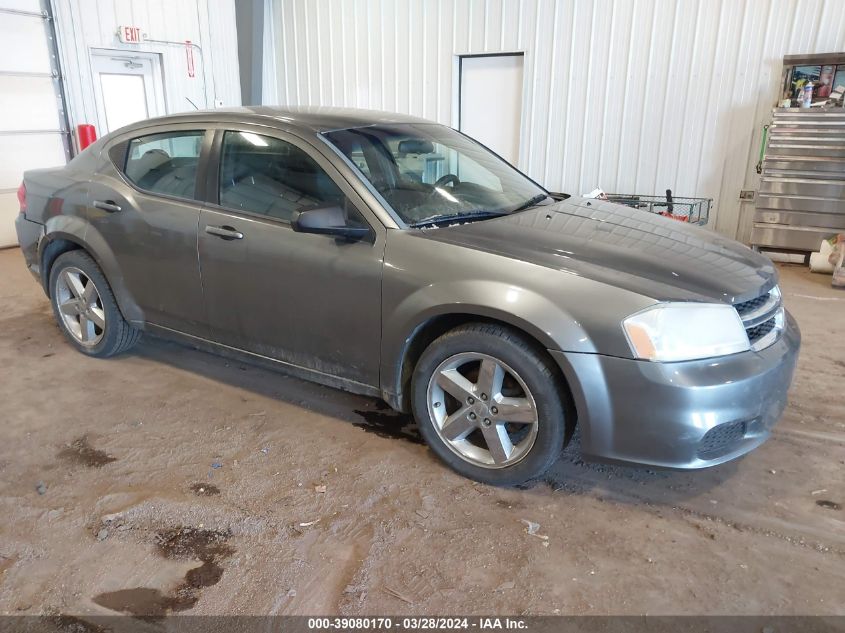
(313,301)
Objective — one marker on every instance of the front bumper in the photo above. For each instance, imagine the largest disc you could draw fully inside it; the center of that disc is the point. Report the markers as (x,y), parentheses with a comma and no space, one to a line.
(659,414)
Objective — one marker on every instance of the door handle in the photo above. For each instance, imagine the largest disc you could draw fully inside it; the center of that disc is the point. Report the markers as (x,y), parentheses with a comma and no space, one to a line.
(108,205)
(224,232)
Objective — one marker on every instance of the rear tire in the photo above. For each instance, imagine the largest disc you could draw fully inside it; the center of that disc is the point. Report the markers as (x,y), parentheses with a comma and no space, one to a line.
(490,404)
(85,307)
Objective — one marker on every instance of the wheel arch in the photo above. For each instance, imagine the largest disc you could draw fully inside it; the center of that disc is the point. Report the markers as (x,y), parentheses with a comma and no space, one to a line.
(398,392)
(69,233)
(51,247)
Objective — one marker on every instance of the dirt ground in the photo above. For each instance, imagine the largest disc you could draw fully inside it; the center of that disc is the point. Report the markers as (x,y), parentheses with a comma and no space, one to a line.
(173,480)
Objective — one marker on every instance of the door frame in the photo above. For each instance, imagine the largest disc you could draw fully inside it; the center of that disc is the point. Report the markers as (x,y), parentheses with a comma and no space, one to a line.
(155,92)
(457,75)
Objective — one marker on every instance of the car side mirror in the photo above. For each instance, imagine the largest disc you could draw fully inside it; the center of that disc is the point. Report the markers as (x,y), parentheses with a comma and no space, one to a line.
(328,220)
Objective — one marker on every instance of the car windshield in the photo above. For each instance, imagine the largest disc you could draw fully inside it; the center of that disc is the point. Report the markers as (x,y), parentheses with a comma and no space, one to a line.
(430,174)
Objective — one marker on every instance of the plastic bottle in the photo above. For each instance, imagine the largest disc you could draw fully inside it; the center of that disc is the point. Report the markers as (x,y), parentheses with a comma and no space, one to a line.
(808,95)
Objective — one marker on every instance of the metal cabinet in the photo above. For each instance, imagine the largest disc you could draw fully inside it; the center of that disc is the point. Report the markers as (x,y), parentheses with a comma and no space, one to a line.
(801,199)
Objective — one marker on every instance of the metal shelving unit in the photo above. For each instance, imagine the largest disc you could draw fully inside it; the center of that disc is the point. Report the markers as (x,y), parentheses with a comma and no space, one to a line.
(801,199)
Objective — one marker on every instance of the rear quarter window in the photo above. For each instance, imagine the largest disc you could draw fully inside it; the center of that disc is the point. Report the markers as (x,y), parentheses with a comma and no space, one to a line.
(165,163)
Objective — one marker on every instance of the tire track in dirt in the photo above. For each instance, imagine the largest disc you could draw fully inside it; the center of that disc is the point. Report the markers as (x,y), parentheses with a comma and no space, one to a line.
(584,487)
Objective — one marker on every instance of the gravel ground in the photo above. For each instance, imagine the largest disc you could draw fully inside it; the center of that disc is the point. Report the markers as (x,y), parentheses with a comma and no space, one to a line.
(170,480)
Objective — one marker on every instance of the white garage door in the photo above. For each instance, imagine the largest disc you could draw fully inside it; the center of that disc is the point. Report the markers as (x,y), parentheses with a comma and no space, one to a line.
(32,122)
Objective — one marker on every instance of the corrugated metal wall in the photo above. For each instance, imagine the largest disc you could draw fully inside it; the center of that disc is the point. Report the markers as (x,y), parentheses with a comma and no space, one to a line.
(209,24)
(635,96)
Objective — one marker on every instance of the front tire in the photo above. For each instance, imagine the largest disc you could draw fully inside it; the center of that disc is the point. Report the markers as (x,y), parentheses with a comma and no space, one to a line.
(489,404)
(85,307)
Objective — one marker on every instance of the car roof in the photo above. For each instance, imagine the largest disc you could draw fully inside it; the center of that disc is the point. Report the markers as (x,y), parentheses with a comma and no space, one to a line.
(314,119)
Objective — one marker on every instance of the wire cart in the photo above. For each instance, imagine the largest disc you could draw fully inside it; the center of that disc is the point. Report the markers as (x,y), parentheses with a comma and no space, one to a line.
(692,210)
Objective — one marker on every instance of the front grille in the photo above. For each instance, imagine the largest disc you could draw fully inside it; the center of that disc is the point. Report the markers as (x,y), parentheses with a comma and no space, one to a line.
(759,331)
(762,317)
(747,307)
(721,439)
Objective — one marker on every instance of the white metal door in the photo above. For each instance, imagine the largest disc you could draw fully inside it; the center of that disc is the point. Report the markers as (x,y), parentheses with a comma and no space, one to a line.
(491,101)
(128,87)
(32,119)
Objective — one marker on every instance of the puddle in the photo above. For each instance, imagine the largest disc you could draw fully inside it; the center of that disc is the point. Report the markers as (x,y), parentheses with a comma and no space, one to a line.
(207,546)
(204,490)
(830,505)
(81,452)
(389,424)
(139,602)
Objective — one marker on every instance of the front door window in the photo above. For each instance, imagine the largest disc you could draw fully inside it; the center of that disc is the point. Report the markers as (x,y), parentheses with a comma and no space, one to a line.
(271,177)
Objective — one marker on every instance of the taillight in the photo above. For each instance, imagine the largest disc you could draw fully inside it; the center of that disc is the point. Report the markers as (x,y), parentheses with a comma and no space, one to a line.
(22,197)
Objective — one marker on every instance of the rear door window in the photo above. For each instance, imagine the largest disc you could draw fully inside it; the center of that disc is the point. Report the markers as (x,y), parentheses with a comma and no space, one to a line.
(271,177)
(165,163)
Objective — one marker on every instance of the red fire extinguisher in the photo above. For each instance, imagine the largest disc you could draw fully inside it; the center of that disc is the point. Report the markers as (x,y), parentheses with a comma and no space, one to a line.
(86,134)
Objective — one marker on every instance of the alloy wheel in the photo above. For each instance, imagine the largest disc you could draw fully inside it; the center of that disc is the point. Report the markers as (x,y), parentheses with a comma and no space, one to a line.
(80,306)
(482,410)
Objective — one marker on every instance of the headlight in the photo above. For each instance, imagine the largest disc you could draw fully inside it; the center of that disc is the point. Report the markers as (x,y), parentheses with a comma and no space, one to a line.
(685,331)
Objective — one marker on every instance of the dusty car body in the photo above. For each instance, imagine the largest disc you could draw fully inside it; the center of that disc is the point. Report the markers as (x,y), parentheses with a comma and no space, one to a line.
(362,303)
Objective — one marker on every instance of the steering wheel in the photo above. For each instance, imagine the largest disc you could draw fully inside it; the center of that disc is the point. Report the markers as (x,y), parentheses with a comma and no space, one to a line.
(442,182)
(446,179)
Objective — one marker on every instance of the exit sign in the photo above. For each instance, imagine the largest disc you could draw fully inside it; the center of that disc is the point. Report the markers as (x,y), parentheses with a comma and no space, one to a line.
(129,34)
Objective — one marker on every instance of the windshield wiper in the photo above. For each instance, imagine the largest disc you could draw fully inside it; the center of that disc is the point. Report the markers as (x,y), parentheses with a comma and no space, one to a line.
(437,220)
(530,203)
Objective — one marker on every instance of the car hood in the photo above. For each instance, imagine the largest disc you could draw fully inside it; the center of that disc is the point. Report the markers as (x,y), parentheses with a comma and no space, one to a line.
(636,250)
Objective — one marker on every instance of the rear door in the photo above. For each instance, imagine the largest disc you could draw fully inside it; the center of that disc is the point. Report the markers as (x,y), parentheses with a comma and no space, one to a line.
(145,205)
(313,301)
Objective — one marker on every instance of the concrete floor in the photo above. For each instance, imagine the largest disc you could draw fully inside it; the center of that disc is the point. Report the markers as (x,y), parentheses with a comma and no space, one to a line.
(176,480)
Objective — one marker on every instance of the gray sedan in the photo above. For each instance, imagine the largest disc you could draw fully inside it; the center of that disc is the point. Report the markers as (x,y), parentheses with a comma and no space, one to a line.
(394,257)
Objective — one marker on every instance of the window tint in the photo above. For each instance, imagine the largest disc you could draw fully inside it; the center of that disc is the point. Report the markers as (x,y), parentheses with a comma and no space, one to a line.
(265,175)
(165,163)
